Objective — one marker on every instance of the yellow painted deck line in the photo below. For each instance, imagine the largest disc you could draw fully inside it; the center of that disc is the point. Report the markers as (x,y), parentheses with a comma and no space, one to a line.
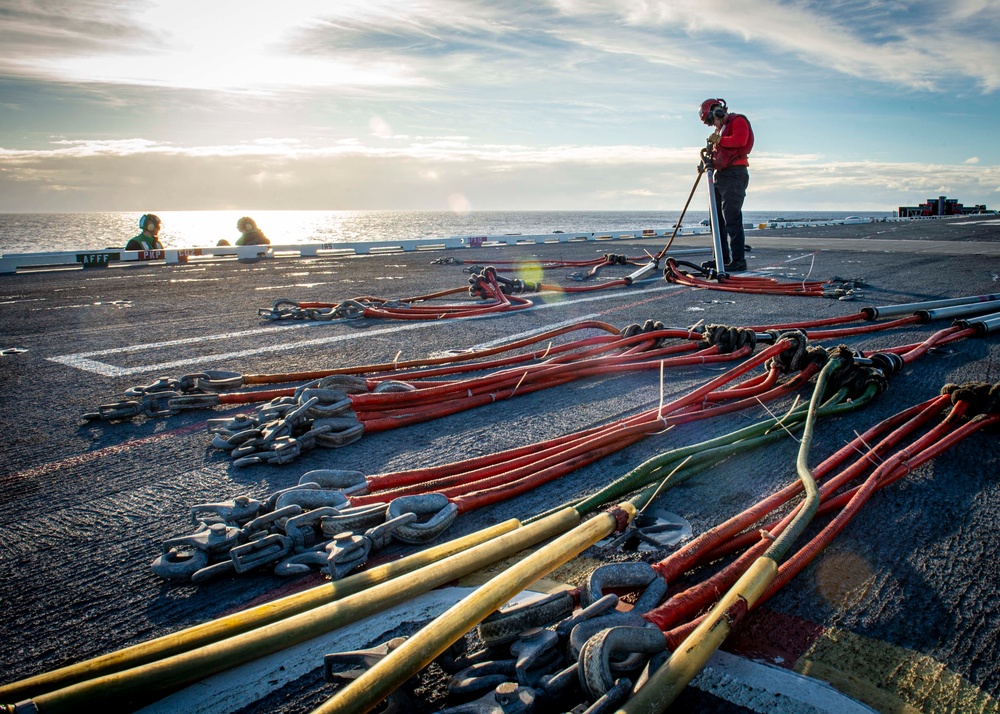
(890,678)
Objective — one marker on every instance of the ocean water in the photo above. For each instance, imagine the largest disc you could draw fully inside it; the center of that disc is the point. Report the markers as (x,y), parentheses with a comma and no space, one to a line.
(47,232)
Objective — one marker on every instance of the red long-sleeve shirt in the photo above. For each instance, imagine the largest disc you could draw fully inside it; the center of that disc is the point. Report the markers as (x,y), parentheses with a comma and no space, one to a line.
(735,143)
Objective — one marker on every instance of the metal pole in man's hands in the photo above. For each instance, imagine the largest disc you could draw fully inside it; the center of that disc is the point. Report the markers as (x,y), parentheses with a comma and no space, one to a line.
(717,238)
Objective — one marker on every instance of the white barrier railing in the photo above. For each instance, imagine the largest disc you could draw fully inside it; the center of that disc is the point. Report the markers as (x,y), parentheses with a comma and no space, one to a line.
(12,263)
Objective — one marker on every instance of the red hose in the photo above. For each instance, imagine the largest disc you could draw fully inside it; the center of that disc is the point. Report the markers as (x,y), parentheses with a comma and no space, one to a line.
(744,284)
(508,463)
(396,366)
(720,540)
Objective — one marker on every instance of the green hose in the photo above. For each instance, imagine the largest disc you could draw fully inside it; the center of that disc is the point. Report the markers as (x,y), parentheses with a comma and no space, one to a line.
(809,505)
(705,454)
(768,434)
(690,656)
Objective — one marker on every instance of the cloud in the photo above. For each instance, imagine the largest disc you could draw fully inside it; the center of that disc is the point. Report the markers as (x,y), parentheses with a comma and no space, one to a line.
(239,46)
(446,150)
(380,127)
(921,44)
(838,185)
(556,103)
(453,175)
(223,45)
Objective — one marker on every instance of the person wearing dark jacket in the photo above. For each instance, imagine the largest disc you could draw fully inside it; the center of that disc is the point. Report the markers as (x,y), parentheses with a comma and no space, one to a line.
(732,141)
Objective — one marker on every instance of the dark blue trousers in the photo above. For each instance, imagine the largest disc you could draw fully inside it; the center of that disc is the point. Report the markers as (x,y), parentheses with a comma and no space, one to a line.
(730,190)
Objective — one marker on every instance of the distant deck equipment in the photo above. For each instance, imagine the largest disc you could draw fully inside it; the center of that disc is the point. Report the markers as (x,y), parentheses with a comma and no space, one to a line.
(940,206)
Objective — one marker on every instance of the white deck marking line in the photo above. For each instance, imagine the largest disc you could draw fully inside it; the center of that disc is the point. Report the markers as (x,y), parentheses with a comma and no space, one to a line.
(82,361)
(109,370)
(190,340)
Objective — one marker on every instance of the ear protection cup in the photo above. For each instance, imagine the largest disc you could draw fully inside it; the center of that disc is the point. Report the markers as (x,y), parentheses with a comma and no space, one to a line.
(719,112)
(712,109)
(148,218)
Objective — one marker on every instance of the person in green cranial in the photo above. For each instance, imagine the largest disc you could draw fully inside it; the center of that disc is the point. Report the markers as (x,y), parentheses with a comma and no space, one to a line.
(149,224)
(250,234)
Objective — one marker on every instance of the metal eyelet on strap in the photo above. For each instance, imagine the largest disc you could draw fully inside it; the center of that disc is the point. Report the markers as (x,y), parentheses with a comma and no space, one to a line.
(348,482)
(257,553)
(238,511)
(265,524)
(118,410)
(627,575)
(345,432)
(442,514)
(346,552)
(302,563)
(598,655)
(210,381)
(356,520)
(157,404)
(180,565)
(304,529)
(482,677)
(312,498)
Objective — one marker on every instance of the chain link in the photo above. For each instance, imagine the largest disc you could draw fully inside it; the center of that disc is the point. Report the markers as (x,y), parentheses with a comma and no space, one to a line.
(296,529)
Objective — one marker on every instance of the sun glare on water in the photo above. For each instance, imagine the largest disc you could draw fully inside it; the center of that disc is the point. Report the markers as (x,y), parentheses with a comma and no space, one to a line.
(191,229)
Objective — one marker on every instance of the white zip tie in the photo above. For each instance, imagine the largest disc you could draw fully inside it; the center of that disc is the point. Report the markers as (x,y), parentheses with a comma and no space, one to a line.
(812,263)
(659,410)
(517,386)
(780,422)
(874,458)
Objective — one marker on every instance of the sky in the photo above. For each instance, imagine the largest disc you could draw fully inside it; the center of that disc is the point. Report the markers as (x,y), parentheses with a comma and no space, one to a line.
(469,105)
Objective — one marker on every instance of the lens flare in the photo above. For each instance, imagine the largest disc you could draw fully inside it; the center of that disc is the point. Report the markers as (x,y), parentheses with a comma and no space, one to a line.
(843,578)
(530,273)
(459,204)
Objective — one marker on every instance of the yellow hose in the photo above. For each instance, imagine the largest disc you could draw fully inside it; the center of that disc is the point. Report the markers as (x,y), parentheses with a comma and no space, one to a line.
(691,655)
(236,623)
(131,688)
(365,692)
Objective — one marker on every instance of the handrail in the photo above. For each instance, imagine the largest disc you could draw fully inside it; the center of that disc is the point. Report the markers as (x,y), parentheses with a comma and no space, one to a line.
(103,258)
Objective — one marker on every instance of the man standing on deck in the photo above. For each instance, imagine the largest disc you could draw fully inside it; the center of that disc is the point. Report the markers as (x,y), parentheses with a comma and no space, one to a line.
(147,240)
(732,141)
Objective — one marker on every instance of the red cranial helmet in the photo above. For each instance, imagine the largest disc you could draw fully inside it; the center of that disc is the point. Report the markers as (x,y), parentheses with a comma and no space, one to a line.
(708,110)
